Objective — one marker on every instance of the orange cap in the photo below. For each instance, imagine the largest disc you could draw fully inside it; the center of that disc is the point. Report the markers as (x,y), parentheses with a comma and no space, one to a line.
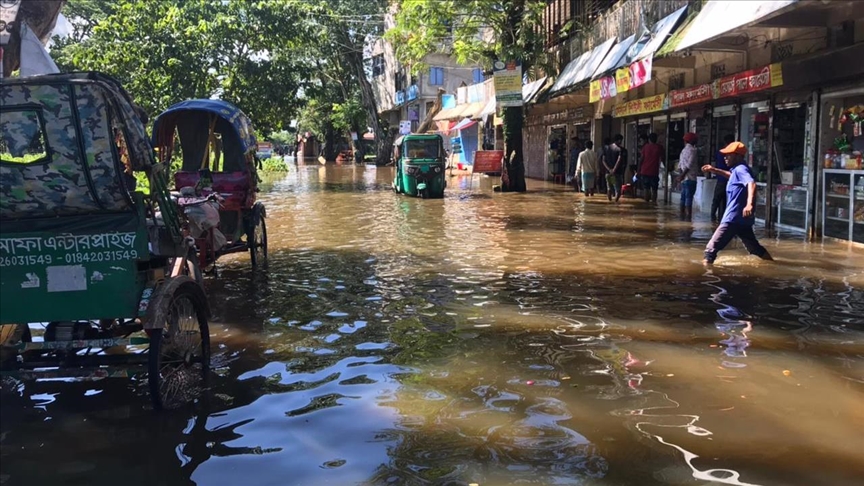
(690,137)
(735,148)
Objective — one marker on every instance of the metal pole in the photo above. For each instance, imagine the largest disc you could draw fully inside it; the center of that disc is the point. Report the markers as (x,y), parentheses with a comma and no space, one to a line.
(769,185)
(667,196)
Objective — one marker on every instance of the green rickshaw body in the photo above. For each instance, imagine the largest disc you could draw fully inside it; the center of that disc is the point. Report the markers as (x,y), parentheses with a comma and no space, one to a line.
(420,164)
(74,242)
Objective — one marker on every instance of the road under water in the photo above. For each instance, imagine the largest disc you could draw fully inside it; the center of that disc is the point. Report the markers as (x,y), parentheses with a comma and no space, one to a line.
(485,338)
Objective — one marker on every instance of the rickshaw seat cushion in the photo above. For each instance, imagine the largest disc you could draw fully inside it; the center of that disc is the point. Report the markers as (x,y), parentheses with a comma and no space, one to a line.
(232,186)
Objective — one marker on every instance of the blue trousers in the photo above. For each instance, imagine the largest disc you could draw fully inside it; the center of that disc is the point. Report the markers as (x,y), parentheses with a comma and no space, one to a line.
(725,232)
(688,190)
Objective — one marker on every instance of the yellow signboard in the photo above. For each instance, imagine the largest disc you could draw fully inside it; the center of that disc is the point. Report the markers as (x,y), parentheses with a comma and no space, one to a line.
(594,92)
(640,106)
(622,79)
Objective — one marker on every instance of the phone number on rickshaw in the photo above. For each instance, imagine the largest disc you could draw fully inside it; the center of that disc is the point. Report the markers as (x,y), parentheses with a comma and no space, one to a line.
(82,257)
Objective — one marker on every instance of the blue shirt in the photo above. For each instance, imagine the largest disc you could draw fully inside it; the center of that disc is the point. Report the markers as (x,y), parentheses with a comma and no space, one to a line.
(736,196)
(720,163)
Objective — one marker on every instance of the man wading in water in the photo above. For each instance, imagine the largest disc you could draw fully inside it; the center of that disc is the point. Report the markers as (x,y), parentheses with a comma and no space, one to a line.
(738,218)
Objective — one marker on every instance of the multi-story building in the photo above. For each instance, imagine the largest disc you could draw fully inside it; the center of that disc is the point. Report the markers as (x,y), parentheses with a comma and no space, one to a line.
(402,96)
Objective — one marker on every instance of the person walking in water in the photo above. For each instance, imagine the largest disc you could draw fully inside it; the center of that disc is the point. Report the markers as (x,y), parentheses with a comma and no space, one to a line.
(740,196)
(688,173)
(586,167)
(718,202)
(649,168)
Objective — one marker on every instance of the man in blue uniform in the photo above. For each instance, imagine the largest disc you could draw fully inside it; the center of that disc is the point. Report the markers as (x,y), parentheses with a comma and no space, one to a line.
(740,195)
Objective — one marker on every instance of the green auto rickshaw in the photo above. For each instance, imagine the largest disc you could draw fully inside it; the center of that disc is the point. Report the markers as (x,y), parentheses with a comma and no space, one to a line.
(420,162)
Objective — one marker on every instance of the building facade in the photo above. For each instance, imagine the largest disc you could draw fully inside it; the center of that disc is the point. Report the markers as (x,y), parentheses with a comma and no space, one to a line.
(403,96)
(781,76)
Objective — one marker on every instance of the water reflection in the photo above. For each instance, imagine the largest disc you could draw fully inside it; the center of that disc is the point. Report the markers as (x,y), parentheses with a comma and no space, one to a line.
(485,338)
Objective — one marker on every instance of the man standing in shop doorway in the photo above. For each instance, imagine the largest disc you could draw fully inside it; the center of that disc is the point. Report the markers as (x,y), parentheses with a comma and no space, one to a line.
(718,203)
(740,195)
(688,172)
(649,168)
(615,162)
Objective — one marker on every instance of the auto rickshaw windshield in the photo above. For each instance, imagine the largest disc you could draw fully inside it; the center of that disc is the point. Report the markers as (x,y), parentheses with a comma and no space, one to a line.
(422,149)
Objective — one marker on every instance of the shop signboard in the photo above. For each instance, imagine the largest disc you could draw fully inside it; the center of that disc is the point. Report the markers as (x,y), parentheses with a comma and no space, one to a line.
(640,106)
(488,161)
(8,13)
(508,83)
(594,92)
(608,89)
(640,72)
(689,96)
(404,127)
(456,145)
(622,79)
(748,81)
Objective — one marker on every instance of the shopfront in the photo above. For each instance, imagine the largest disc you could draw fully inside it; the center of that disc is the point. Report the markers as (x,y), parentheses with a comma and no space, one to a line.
(791,133)
(841,144)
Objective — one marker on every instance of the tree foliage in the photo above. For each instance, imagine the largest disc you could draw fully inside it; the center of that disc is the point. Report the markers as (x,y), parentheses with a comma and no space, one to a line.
(479,31)
(169,50)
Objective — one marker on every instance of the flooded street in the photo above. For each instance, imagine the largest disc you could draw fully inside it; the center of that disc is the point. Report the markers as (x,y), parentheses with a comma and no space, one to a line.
(485,338)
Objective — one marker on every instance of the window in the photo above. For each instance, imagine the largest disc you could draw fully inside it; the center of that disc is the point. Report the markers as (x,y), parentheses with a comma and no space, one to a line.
(436,76)
(22,137)
(478,75)
(676,81)
(377,65)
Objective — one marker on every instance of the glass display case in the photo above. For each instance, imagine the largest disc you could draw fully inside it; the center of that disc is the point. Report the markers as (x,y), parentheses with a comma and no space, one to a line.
(843,204)
(793,207)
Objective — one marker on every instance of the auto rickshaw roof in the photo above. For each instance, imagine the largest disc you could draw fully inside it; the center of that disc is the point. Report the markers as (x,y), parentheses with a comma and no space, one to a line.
(417,136)
(234,116)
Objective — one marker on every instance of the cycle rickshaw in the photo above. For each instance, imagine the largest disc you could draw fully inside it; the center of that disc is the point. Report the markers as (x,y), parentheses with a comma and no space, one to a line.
(101,268)
(217,184)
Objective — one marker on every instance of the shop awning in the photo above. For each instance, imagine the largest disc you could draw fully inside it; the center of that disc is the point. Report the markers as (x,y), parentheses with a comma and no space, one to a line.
(616,54)
(490,109)
(720,16)
(584,70)
(465,123)
(449,113)
(570,71)
(677,36)
(472,110)
(652,41)
(530,90)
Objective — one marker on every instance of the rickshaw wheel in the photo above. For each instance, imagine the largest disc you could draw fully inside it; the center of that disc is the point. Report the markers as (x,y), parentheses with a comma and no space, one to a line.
(258,243)
(179,355)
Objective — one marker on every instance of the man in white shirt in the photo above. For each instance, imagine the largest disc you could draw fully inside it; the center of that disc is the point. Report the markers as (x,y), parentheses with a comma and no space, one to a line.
(688,169)
(586,167)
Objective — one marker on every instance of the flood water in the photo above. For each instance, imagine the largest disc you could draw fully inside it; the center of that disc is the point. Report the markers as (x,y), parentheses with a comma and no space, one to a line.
(485,338)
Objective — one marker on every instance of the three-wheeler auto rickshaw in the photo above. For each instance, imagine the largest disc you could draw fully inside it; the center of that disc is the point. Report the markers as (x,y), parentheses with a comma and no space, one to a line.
(96,279)
(420,163)
(217,183)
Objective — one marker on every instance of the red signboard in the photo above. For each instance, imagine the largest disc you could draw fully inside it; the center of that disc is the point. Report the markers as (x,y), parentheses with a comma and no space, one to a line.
(486,161)
(689,96)
(748,81)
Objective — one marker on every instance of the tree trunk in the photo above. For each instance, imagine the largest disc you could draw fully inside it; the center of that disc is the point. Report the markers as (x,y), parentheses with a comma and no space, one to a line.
(329,143)
(436,107)
(513,175)
(354,58)
(41,16)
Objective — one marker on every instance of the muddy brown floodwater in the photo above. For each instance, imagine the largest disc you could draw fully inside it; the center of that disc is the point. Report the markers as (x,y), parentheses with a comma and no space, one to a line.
(485,338)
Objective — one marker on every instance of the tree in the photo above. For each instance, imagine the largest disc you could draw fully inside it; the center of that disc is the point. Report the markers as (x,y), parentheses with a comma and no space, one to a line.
(477,31)
(338,32)
(170,50)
